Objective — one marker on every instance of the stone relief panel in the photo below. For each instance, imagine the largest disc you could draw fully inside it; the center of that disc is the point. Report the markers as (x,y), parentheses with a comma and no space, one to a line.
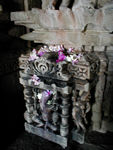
(54,94)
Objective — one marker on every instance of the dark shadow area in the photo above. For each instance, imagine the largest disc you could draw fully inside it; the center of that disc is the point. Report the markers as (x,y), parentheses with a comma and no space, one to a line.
(11,92)
(94,141)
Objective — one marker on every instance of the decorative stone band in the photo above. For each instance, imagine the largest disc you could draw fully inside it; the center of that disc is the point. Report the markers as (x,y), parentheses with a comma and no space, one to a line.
(86,68)
(82,26)
(65,90)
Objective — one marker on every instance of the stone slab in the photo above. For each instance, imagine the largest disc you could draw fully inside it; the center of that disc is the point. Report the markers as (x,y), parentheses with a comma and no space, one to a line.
(47,135)
(69,38)
(78,137)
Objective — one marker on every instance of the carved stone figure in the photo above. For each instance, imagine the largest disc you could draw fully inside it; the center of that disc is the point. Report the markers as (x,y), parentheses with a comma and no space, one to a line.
(78,116)
(46,109)
(49,4)
(81,107)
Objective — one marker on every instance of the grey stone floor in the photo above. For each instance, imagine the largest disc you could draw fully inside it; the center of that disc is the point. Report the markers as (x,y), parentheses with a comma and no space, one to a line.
(94,141)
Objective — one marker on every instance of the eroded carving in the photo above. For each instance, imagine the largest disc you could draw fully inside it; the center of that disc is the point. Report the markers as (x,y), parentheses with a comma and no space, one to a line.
(49,4)
(64,4)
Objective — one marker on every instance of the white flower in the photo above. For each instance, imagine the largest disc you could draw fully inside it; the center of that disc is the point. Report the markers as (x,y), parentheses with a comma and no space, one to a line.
(33,55)
(51,48)
(39,95)
(68,59)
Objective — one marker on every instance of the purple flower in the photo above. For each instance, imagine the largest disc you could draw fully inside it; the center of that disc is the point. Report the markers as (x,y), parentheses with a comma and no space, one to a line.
(35,79)
(40,53)
(61,56)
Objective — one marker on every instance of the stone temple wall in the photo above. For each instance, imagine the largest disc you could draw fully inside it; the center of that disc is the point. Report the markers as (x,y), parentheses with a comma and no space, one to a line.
(82,24)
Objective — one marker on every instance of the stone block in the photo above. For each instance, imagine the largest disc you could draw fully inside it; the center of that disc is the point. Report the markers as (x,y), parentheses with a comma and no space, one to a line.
(96,107)
(102,3)
(96,126)
(108,17)
(96,117)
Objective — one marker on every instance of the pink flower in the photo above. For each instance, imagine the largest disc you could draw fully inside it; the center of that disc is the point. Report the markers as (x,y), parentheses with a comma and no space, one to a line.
(61,56)
(35,79)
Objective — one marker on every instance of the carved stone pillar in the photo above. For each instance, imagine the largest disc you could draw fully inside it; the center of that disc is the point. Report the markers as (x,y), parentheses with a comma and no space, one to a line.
(64,127)
(99,93)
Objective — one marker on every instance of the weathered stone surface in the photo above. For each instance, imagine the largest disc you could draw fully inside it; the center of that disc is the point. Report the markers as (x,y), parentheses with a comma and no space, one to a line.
(102,3)
(90,27)
(107,125)
(45,4)
(99,93)
(97,107)
(64,4)
(45,134)
(96,20)
(108,17)
(69,38)
(108,95)
(97,117)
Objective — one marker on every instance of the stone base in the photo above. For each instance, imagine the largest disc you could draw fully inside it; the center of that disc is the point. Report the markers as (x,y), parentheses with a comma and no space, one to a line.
(107,126)
(78,137)
(47,135)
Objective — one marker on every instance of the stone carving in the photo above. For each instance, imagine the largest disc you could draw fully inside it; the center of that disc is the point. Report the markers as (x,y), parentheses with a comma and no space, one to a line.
(64,4)
(83,3)
(80,108)
(48,88)
(49,4)
(72,27)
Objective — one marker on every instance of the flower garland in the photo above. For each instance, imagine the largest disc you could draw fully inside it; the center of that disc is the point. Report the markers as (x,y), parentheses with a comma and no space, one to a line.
(63,54)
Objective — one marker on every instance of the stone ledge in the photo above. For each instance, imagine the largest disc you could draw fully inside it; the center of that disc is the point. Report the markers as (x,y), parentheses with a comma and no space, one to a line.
(81,18)
(70,38)
(47,135)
